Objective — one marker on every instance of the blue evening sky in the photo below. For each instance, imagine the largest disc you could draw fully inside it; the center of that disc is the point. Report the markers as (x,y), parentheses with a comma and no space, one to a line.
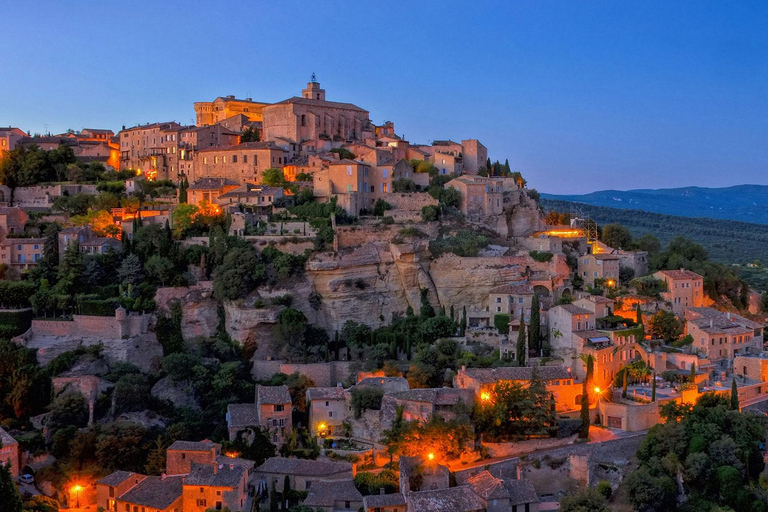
(578,95)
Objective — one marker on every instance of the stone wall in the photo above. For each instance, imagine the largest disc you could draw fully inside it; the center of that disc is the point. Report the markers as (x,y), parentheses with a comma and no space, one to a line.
(356,236)
(414,201)
(322,374)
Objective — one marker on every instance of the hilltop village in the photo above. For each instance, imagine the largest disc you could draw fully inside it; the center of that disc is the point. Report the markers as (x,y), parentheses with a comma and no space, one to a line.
(289,307)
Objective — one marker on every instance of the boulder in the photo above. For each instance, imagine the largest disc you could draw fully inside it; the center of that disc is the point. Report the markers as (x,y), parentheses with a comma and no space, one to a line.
(180,394)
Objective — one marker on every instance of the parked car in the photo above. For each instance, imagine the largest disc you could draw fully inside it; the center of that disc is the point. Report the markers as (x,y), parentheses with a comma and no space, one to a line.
(26,479)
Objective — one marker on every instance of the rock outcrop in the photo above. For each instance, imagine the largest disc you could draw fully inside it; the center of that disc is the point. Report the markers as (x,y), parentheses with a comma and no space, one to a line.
(200,310)
(180,394)
(522,214)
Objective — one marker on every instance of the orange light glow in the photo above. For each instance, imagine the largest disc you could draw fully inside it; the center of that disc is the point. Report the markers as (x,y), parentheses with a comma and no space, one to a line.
(485,397)
(611,282)
(565,233)
(597,390)
(232,455)
(431,456)
(76,488)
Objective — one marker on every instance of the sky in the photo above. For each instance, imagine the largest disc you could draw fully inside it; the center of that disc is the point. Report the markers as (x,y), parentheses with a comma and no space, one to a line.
(578,95)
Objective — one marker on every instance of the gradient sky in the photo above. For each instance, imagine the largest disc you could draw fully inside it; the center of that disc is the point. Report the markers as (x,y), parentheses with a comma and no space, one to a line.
(578,95)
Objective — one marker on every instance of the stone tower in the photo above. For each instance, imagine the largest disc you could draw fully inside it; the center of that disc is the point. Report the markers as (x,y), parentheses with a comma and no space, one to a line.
(313,90)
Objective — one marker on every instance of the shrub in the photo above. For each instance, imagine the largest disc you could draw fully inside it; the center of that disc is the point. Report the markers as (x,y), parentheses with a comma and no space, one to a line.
(430,213)
(501,322)
(541,256)
(604,488)
(366,398)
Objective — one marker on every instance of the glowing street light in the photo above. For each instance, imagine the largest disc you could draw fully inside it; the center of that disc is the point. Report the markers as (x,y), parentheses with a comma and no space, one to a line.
(431,456)
(485,397)
(76,489)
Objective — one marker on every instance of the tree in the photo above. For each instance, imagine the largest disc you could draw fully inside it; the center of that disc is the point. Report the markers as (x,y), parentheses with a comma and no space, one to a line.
(586,500)
(380,207)
(693,373)
(273,178)
(131,272)
(274,502)
(653,388)
(616,236)
(651,494)
(624,383)
(288,333)
(437,327)
(68,409)
(734,403)
(237,274)
(666,326)
(520,348)
(250,134)
(426,310)
(286,491)
(160,269)
(589,361)
(430,213)
(9,493)
(534,327)
(156,462)
(183,187)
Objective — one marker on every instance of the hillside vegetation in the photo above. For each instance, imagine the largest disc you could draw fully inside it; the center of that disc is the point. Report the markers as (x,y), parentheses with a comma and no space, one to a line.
(725,241)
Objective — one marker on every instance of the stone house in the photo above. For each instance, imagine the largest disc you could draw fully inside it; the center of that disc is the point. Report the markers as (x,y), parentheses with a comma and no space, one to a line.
(599,266)
(388,384)
(347,180)
(9,452)
(334,496)
(241,163)
(152,149)
(114,485)
(274,407)
(221,483)
(504,495)
(513,300)
(222,108)
(208,190)
(559,380)
(481,196)
(327,409)
(21,254)
(474,155)
(240,417)
(87,240)
(384,503)
(302,473)
(422,404)
(563,321)
(12,221)
(182,454)
(257,199)
(685,289)
(722,335)
(454,499)
(9,139)
(156,493)
(418,474)
(600,306)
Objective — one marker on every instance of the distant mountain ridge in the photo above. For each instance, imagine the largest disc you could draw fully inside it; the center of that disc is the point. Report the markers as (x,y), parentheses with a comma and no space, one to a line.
(745,203)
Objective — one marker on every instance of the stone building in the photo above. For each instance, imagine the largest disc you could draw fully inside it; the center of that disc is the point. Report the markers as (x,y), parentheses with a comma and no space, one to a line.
(114,485)
(10,138)
(302,473)
(257,199)
(208,190)
(504,495)
(222,108)
(421,404)
(310,120)
(182,454)
(274,407)
(152,149)
(603,266)
(9,452)
(474,154)
(327,409)
(241,163)
(482,196)
(513,300)
(722,335)
(685,289)
(333,496)
(564,320)
(156,493)
(21,254)
(217,484)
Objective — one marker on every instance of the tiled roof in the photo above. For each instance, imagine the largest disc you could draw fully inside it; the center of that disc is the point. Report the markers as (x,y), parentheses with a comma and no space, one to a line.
(680,274)
(488,486)
(192,446)
(303,467)
(436,396)
(574,310)
(320,103)
(379,382)
(324,494)
(222,475)
(6,438)
(487,375)
(116,478)
(272,395)
(334,393)
(453,499)
(155,492)
(521,492)
(384,500)
(251,190)
(599,299)
(211,183)
(242,415)
(606,256)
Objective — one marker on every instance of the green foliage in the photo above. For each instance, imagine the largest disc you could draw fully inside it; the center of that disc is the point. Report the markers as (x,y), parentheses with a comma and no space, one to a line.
(372,483)
(520,348)
(437,327)
(250,134)
(430,213)
(13,323)
(463,243)
(68,409)
(237,275)
(252,444)
(616,236)
(273,177)
(16,294)
(403,185)
(380,207)
(501,322)
(604,488)
(649,286)
(365,398)
(446,439)
(9,494)
(534,327)
(585,500)
(664,325)
(344,153)
(541,256)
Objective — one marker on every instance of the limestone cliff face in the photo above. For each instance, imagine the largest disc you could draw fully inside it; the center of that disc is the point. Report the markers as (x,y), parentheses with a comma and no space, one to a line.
(248,325)
(199,309)
(522,214)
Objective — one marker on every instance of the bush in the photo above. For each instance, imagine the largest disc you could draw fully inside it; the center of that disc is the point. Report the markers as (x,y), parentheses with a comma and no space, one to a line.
(501,322)
(541,256)
(430,213)
(604,488)
(463,243)
(380,207)
(403,185)
(13,323)
(366,398)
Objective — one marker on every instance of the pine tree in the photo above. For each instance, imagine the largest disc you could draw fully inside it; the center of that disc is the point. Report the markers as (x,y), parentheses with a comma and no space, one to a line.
(156,459)
(9,494)
(734,395)
(507,170)
(520,351)
(534,327)
(653,388)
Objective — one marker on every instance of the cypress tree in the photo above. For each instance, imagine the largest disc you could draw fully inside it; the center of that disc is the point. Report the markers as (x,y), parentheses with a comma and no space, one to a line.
(520,350)
(183,186)
(653,388)
(584,431)
(453,315)
(507,170)
(693,372)
(534,327)
(734,395)
(624,383)
(488,165)
(638,314)
(274,503)
(286,490)
(463,325)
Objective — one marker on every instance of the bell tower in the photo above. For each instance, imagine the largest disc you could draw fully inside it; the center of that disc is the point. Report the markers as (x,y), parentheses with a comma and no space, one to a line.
(313,90)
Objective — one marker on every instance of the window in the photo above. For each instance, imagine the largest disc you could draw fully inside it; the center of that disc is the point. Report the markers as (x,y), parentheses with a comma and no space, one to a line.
(330,414)
(346,504)
(282,422)
(245,159)
(308,484)
(385,173)
(327,403)
(279,407)
(201,502)
(183,456)
(111,492)
(234,159)
(349,188)
(349,170)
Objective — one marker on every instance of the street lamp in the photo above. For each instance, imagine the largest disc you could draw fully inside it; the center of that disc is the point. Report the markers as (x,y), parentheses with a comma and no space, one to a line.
(598,391)
(77,489)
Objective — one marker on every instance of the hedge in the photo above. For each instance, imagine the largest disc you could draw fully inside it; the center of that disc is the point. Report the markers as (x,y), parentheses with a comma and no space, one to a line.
(16,294)
(97,307)
(13,323)
(501,322)
(541,256)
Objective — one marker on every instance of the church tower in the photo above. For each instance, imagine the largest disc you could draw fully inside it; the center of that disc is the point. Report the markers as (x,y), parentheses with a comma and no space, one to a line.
(313,90)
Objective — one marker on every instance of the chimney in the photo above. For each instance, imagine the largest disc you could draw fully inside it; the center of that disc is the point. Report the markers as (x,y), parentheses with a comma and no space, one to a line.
(711,324)
(728,315)
(381,491)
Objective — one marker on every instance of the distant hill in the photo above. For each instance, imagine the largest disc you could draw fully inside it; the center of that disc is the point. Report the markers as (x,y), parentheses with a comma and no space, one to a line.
(745,203)
(726,241)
